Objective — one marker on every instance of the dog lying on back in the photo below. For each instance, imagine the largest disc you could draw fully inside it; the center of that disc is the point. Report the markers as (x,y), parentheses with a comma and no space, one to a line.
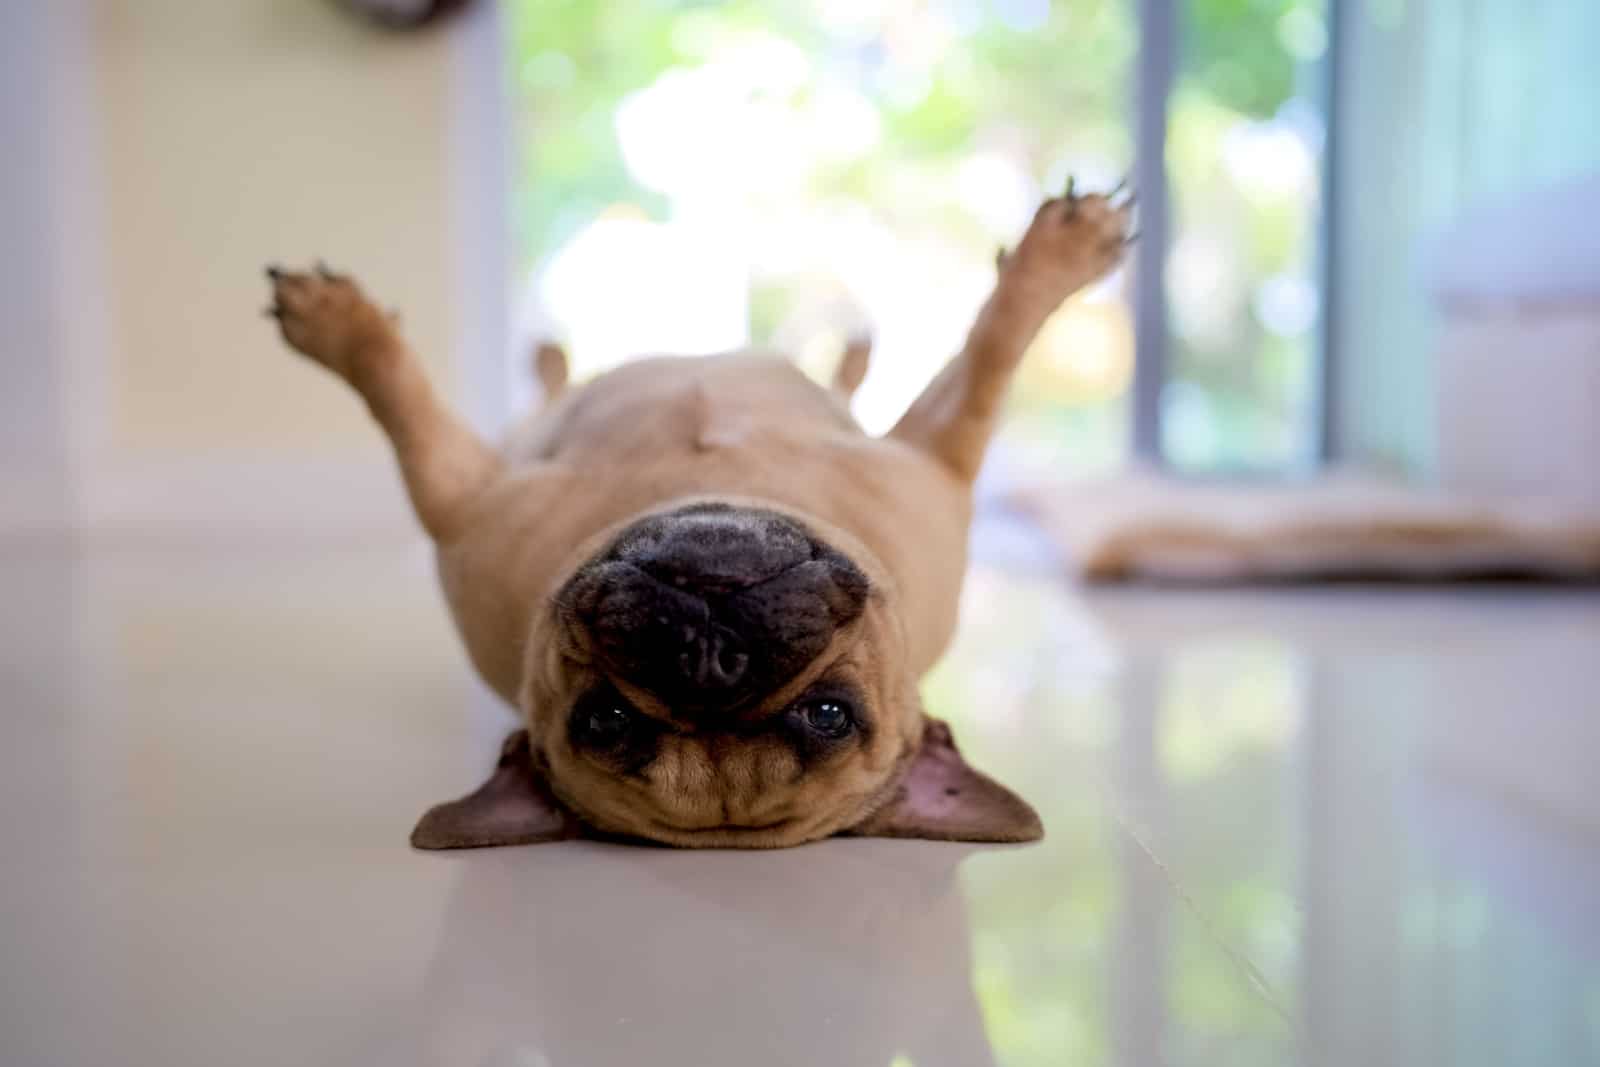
(709,594)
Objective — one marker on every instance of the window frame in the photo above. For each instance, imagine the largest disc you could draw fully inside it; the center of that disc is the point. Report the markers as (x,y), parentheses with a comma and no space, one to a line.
(1155,69)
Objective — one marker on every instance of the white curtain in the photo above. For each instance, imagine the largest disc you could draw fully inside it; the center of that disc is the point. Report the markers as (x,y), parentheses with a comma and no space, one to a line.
(1441,105)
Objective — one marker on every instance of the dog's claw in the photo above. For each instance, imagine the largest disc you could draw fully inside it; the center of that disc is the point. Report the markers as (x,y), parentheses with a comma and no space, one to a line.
(1000,257)
(1122,183)
(323,270)
(274,271)
(1072,183)
(1132,237)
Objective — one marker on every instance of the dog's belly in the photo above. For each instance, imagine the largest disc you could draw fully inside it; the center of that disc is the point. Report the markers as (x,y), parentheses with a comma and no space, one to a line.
(684,404)
(658,432)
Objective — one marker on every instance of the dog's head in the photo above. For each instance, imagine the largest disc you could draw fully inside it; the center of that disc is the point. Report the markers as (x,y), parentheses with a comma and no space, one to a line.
(726,676)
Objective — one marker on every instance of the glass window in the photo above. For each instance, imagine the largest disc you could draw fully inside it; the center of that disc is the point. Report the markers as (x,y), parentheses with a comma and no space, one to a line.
(697,177)
(1244,141)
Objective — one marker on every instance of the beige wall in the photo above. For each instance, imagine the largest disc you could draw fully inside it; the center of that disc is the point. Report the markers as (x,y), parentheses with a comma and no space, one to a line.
(246,131)
(214,138)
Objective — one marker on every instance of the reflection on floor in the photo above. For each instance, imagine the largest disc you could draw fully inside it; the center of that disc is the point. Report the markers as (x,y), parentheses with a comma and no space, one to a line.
(1336,827)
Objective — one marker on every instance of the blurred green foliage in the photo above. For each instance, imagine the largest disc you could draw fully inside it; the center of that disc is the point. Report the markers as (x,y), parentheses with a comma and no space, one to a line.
(1234,52)
(1046,91)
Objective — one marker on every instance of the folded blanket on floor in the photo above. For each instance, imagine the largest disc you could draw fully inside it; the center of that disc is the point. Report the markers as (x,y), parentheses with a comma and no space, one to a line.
(1140,526)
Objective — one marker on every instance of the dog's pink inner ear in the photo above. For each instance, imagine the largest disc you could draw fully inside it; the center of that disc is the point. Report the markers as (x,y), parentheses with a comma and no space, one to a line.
(514,807)
(943,799)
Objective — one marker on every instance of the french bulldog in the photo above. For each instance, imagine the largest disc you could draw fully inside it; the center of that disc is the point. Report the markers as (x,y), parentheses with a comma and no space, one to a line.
(709,595)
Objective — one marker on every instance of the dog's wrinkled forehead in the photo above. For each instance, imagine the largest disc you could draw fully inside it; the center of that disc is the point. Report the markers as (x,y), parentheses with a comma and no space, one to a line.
(711,606)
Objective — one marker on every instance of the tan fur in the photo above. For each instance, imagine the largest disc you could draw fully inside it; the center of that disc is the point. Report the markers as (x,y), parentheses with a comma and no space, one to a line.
(745,428)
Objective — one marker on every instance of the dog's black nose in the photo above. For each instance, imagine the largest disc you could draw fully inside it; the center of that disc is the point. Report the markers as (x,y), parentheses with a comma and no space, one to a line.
(714,660)
(715,548)
(711,606)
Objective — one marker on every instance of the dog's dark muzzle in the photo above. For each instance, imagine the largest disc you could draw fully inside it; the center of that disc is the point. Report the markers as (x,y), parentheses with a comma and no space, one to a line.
(711,605)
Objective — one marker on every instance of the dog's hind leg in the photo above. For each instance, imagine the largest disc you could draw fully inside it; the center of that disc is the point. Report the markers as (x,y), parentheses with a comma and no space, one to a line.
(444,463)
(550,367)
(1072,241)
(852,368)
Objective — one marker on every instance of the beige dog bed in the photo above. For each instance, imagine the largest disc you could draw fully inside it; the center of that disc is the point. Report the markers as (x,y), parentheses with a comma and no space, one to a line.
(1145,527)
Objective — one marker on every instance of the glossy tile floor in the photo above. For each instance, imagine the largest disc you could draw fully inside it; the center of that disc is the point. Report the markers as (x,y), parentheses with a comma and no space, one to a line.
(1343,827)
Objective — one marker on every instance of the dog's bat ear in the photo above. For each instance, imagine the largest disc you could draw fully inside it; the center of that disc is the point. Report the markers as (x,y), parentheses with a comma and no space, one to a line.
(514,807)
(942,799)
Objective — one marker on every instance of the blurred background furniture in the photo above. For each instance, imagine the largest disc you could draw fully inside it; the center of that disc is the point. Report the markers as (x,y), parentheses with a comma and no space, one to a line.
(1516,284)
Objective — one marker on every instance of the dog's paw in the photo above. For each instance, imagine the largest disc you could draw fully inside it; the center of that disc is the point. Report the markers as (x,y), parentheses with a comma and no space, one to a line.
(325,316)
(1073,240)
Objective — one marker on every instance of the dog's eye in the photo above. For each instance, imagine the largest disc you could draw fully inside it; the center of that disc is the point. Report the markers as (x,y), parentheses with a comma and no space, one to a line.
(827,718)
(610,722)
(603,719)
(608,729)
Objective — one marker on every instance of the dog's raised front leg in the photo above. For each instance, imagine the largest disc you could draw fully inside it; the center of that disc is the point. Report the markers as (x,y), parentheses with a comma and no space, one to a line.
(1072,241)
(325,316)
